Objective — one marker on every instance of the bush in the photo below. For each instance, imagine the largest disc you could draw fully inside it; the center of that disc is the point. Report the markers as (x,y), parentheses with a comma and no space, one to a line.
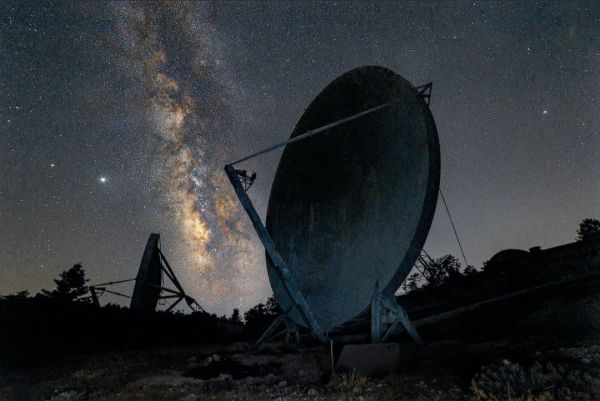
(510,381)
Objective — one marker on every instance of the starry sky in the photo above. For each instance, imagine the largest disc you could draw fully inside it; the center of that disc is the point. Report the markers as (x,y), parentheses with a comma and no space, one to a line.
(116,120)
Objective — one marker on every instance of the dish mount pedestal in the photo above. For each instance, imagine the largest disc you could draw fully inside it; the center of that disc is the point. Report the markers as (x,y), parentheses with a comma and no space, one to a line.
(386,314)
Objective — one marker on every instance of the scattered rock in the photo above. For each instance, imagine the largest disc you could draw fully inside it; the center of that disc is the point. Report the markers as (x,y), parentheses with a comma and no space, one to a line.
(223,377)
(163,381)
(237,347)
(68,396)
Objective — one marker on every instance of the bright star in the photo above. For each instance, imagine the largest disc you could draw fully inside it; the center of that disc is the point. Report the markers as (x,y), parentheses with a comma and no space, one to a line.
(103,179)
(545,112)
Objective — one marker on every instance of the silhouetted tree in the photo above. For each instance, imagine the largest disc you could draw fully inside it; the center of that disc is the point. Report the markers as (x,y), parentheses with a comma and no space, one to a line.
(257,312)
(588,227)
(272,307)
(235,316)
(258,318)
(442,270)
(19,295)
(412,282)
(71,284)
(437,273)
(469,270)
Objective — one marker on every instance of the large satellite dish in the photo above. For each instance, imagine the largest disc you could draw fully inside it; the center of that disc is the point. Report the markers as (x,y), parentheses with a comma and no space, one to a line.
(353,207)
(352,201)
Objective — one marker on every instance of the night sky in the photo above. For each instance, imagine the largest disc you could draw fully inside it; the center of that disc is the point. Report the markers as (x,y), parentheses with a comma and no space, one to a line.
(117,119)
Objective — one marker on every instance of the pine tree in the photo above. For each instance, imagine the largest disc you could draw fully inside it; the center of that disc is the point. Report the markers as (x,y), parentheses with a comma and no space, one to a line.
(71,284)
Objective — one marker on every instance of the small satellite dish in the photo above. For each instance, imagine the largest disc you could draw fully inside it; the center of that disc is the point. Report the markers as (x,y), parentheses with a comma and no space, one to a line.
(351,208)
(149,289)
(148,281)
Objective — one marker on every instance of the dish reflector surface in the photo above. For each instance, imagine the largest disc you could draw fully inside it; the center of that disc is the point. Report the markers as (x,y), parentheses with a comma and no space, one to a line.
(352,206)
(149,278)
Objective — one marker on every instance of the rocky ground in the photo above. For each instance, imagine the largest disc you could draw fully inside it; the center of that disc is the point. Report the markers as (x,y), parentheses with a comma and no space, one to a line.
(447,370)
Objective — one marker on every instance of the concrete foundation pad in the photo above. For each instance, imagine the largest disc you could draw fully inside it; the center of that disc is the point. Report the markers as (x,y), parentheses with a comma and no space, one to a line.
(374,359)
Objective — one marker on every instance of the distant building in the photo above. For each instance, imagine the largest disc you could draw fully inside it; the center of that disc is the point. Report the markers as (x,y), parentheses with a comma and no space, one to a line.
(563,260)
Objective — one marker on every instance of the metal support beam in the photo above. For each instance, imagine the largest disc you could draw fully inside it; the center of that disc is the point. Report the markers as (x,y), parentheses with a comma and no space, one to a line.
(103,290)
(166,267)
(179,293)
(326,127)
(287,280)
(386,314)
(270,330)
(174,304)
(169,296)
(113,282)
(191,302)
(97,290)
(290,329)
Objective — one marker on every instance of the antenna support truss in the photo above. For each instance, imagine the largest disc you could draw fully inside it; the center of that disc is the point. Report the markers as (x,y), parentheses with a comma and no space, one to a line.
(179,294)
(290,330)
(237,179)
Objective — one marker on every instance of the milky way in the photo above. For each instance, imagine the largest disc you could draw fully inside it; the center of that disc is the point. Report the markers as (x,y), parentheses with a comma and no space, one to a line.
(175,53)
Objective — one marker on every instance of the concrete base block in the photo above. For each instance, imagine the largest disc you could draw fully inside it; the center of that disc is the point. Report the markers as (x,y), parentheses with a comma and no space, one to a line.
(373,359)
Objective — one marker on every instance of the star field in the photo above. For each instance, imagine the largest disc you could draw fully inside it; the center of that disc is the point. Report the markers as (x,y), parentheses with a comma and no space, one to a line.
(116,120)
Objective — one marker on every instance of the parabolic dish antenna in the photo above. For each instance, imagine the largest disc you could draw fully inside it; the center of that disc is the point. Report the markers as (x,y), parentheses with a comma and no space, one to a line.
(148,281)
(351,207)
(149,289)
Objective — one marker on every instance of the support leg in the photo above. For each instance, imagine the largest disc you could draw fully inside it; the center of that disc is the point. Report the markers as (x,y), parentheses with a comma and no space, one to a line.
(386,314)
(279,265)
(270,330)
(291,330)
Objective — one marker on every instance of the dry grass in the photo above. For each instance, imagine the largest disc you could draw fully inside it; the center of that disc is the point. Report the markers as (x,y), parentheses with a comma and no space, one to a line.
(511,382)
(347,383)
